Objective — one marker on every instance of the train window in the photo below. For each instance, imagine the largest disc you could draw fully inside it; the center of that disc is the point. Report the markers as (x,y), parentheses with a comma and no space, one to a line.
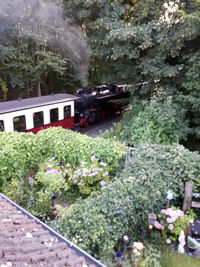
(1,125)
(53,114)
(67,112)
(38,119)
(19,123)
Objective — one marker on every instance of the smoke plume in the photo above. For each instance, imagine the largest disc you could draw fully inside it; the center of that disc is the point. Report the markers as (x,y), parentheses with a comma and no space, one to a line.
(42,20)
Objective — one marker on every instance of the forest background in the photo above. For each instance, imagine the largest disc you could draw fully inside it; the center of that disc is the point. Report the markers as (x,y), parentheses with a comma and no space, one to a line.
(150,46)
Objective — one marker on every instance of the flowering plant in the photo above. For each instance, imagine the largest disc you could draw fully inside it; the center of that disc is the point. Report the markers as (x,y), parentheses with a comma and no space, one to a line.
(89,176)
(172,221)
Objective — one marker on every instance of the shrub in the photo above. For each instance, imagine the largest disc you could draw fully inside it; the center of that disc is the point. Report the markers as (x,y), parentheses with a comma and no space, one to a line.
(155,121)
(164,167)
(89,176)
(97,223)
(72,147)
(172,222)
(30,194)
(21,153)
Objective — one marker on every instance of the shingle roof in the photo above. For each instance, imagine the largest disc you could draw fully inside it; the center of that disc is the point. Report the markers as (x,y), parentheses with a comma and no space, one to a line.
(25,241)
(20,104)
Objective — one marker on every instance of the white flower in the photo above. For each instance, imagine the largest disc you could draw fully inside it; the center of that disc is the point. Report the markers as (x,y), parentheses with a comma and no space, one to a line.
(168,241)
(93,158)
(103,164)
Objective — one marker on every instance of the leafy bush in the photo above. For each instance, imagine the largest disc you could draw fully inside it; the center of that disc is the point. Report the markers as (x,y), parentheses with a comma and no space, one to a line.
(29,194)
(71,147)
(172,222)
(35,193)
(21,153)
(156,121)
(89,176)
(164,167)
(97,223)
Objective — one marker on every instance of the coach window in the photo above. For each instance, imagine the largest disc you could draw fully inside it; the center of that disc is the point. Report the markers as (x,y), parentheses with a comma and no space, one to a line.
(38,119)
(1,126)
(19,123)
(53,114)
(67,112)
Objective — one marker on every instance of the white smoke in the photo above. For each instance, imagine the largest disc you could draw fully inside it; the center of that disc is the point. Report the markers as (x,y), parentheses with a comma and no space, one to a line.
(42,20)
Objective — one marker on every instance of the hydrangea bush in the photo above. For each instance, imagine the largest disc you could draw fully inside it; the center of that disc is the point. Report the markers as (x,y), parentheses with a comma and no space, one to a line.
(172,221)
(35,193)
(89,176)
(22,153)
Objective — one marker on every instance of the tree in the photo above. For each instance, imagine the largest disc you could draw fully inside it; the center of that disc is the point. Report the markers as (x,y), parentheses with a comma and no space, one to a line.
(41,45)
(143,43)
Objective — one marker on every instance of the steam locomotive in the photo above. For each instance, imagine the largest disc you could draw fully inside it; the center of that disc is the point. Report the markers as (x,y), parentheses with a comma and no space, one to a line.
(89,105)
(98,103)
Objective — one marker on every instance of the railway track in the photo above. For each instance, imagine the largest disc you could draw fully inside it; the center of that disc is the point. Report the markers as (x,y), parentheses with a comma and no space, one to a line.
(95,129)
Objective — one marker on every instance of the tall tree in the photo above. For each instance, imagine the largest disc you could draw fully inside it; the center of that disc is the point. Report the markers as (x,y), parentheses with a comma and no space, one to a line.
(41,44)
(144,43)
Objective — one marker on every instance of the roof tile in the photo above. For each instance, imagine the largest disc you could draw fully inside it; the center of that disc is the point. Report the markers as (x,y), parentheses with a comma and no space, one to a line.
(24,242)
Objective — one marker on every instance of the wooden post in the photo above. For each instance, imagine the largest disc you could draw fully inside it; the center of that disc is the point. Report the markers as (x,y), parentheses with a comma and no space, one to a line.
(188,196)
(168,204)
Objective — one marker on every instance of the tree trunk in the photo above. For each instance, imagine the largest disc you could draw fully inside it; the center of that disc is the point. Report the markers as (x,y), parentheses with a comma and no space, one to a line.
(38,89)
(51,81)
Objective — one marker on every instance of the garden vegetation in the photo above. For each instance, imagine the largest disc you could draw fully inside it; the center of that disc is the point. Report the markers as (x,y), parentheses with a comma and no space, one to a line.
(122,207)
(149,46)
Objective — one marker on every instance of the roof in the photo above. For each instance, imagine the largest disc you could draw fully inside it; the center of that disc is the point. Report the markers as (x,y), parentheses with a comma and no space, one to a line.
(26,241)
(27,103)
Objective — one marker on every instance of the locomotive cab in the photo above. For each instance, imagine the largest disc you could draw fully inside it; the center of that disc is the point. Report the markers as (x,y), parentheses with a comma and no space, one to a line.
(94,103)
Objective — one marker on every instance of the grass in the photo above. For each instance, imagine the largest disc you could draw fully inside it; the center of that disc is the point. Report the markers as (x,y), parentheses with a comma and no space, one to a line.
(171,259)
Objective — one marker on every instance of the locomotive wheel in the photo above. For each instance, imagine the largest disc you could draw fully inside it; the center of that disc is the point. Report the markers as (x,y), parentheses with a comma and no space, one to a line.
(92,117)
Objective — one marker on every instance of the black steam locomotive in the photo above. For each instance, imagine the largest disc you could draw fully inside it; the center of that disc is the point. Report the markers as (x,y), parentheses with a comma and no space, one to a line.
(98,103)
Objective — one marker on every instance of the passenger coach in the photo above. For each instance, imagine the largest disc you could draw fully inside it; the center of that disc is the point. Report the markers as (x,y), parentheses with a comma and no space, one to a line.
(34,114)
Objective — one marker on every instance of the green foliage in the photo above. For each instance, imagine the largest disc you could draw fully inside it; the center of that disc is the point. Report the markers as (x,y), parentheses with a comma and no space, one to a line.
(35,49)
(29,195)
(148,45)
(21,153)
(98,223)
(157,164)
(192,74)
(89,176)
(158,121)
(191,83)
(152,257)
(173,221)
(25,155)
(51,183)
(70,147)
